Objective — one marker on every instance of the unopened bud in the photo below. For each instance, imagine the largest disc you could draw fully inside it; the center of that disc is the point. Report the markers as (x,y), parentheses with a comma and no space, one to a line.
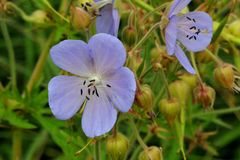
(80,19)
(190,79)
(129,35)
(151,153)
(180,90)
(224,75)
(145,97)
(117,146)
(39,16)
(170,108)
(204,95)
(234,28)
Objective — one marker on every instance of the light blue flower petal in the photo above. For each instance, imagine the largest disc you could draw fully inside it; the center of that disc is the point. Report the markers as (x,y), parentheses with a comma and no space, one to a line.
(122,88)
(108,21)
(99,116)
(108,52)
(177,6)
(171,35)
(116,21)
(72,56)
(182,58)
(64,96)
(195,30)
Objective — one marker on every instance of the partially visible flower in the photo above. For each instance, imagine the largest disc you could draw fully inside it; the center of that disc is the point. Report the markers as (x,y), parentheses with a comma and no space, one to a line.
(193,30)
(98,78)
(108,20)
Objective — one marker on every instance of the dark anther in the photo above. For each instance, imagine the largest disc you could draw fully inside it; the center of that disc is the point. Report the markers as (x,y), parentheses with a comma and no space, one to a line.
(189,18)
(87,97)
(187,36)
(195,37)
(90,85)
(198,31)
(82,4)
(93,92)
(97,93)
(89,90)
(85,8)
(93,80)
(108,86)
(88,4)
(193,27)
(191,37)
(81,91)
(84,82)
(194,20)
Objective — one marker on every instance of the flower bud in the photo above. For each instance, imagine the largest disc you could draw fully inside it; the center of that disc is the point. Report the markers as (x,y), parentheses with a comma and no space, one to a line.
(190,79)
(129,35)
(145,97)
(234,28)
(180,90)
(170,108)
(151,153)
(204,95)
(80,19)
(39,16)
(117,146)
(224,75)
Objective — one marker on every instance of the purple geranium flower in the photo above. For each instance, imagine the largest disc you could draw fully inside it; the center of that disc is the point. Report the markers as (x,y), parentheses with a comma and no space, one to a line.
(98,78)
(108,20)
(193,30)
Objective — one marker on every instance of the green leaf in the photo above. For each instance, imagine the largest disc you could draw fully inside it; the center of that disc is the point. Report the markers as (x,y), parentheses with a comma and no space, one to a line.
(14,119)
(219,30)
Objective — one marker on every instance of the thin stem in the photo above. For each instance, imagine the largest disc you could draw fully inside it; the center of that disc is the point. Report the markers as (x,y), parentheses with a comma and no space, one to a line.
(82,149)
(143,5)
(17,144)
(155,10)
(216,112)
(11,54)
(195,66)
(165,82)
(54,11)
(140,141)
(214,57)
(155,26)
(97,150)
(19,10)
(146,72)
(40,64)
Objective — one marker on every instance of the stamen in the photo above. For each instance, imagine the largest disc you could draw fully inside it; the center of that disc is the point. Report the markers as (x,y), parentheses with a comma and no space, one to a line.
(193,27)
(188,18)
(90,85)
(88,4)
(93,80)
(81,91)
(89,90)
(108,85)
(84,82)
(87,97)
(194,20)
(82,5)
(93,92)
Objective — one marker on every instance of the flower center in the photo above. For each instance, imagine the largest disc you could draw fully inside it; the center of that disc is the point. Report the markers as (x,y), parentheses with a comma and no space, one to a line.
(91,87)
(93,7)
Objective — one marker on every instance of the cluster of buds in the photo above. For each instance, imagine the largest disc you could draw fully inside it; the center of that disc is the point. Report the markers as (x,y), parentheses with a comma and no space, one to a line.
(117,146)
(151,153)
